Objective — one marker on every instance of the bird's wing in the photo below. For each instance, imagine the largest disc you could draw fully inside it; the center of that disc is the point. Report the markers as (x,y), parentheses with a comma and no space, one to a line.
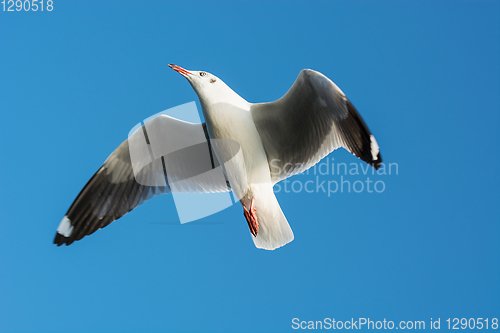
(164,155)
(311,120)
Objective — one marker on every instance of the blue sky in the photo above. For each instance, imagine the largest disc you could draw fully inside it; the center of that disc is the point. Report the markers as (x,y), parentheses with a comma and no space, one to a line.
(423,74)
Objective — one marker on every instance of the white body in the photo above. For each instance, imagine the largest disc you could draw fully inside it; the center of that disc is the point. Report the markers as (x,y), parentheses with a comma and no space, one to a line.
(228,116)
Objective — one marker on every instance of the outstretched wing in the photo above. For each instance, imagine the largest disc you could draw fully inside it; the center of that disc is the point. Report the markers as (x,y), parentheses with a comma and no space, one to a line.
(164,155)
(311,120)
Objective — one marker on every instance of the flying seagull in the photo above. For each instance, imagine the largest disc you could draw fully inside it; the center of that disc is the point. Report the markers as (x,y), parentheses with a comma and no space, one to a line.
(276,140)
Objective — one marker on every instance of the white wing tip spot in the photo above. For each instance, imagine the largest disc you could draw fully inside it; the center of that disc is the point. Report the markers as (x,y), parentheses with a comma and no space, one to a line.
(374,147)
(65,228)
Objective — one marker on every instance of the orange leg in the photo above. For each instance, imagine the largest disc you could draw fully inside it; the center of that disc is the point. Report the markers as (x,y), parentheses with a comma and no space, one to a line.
(251,217)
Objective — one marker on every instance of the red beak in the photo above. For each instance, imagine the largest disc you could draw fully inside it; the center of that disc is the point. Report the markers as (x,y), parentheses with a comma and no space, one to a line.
(179,69)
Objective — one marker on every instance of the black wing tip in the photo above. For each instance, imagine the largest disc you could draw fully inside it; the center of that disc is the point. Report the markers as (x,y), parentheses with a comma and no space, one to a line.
(366,155)
(62,240)
(376,163)
(359,139)
(59,239)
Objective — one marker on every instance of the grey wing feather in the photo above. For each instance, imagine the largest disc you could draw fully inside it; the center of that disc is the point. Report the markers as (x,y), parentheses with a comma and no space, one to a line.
(311,120)
(133,174)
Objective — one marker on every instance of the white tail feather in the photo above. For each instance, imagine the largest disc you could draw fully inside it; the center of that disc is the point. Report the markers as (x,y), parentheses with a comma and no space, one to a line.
(274,230)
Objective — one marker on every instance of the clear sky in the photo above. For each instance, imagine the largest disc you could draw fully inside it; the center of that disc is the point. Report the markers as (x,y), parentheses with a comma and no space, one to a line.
(423,74)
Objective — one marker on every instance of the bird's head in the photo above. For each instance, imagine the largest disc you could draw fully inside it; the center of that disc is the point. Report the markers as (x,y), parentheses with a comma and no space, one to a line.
(208,87)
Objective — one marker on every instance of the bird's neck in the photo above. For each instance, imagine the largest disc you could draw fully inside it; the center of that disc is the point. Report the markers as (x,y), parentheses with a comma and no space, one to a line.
(221,101)
(224,95)
(223,109)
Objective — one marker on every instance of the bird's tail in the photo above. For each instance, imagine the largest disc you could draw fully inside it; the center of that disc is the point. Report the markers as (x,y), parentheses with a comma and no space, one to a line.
(274,230)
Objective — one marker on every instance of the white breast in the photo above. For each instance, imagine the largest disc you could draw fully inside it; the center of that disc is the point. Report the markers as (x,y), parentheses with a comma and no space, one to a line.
(234,122)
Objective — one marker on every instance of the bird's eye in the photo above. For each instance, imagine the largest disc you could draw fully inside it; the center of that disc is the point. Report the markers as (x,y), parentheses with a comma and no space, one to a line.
(203,73)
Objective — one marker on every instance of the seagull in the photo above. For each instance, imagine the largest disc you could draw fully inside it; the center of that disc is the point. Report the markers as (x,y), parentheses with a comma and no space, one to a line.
(275,140)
